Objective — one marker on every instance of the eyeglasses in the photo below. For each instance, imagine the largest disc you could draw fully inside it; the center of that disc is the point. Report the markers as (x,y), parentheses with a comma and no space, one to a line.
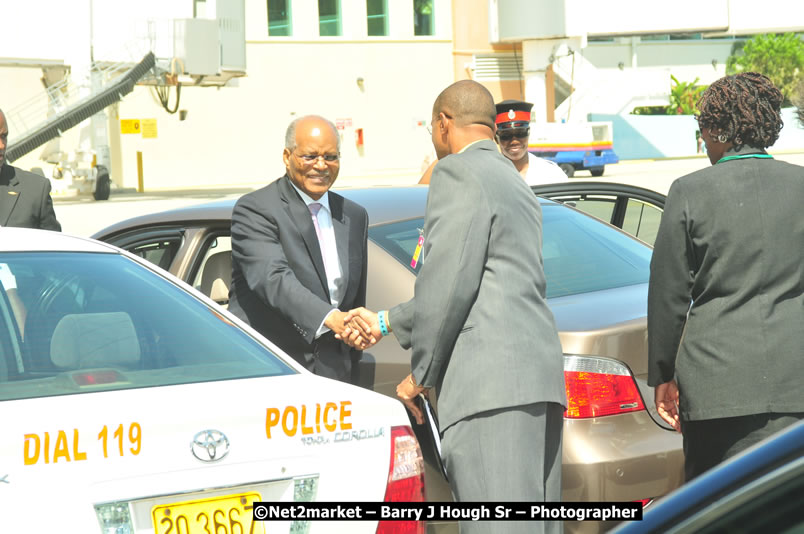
(311,159)
(519,133)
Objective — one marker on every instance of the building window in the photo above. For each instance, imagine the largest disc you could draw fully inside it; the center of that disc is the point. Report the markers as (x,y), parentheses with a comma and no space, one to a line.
(329,18)
(377,17)
(279,18)
(423,17)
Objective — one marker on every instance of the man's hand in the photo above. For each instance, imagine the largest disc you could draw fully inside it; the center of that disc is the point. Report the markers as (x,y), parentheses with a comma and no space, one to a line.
(666,397)
(336,321)
(407,391)
(363,325)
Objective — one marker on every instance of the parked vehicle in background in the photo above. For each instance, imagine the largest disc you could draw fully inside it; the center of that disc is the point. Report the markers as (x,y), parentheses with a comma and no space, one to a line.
(616,447)
(574,146)
(133,404)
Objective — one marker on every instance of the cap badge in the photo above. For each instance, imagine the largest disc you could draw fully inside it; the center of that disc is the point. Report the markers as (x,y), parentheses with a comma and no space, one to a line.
(511,114)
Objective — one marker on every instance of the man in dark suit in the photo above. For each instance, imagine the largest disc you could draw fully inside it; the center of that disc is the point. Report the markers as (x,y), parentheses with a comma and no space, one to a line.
(24,197)
(478,325)
(299,254)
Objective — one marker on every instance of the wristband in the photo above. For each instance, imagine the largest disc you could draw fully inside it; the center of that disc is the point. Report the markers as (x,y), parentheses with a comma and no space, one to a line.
(383,324)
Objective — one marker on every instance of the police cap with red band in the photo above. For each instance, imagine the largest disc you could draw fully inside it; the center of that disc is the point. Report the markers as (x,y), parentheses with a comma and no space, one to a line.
(513,114)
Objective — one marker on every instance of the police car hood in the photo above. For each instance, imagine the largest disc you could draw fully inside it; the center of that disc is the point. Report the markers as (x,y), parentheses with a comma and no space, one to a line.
(150,445)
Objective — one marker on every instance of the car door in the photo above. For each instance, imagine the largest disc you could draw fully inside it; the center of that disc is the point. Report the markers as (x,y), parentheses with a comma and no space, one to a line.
(635,210)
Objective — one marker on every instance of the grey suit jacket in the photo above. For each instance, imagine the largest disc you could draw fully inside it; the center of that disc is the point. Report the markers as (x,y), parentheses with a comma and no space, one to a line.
(731,241)
(25,200)
(279,285)
(478,324)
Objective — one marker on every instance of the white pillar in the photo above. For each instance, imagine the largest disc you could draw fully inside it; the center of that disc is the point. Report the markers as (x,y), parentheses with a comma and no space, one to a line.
(537,55)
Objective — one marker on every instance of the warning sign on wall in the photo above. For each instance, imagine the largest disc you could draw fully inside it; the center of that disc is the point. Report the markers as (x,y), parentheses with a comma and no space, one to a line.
(129,126)
(149,128)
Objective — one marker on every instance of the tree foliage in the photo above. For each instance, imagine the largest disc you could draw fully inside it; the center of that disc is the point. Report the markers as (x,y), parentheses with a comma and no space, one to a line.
(779,57)
(683,98)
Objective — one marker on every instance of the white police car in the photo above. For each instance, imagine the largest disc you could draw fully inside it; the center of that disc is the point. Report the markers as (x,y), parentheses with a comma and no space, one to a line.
(131,403)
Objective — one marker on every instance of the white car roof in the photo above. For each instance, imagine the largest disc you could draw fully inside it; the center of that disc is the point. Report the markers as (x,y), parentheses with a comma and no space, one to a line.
(27,240)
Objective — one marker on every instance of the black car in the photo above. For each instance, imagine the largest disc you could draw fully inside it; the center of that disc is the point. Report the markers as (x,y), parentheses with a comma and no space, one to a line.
(759,490)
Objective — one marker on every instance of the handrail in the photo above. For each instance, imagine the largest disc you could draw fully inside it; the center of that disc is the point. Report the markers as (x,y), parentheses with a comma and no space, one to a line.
(56,125)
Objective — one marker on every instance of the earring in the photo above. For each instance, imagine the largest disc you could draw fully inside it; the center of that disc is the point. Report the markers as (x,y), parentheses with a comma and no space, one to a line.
(722,138)
(738,141)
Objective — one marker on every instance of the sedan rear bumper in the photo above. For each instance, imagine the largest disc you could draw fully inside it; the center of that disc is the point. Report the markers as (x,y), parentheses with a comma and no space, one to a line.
(624,457)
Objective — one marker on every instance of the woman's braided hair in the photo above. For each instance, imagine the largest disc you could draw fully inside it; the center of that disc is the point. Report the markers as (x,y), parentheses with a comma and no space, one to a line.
(745,108)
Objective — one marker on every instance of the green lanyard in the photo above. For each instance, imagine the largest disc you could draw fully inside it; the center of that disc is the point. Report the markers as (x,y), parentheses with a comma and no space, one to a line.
(745,156)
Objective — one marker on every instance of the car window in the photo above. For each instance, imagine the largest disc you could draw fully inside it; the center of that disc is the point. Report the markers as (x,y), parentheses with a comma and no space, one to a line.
(399,239)
(600,206)
(581,254)
(102,321)
(642,220)
(160,253)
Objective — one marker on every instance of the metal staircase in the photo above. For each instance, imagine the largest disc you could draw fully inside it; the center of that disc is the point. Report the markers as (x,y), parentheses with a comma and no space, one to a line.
(68,104)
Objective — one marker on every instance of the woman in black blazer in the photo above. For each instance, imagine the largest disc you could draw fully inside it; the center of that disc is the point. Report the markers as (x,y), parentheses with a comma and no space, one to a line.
(726,297)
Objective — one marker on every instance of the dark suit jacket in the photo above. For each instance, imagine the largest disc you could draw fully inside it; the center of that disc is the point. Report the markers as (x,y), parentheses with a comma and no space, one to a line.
(25,200)
(731,241)
(279,285)
(478,324)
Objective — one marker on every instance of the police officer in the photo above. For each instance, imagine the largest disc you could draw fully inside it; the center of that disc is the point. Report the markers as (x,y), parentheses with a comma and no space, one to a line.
(513,129)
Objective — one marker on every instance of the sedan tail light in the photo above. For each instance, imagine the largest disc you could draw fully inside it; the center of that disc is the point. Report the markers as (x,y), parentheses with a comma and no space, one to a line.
(598,386)
(405,479)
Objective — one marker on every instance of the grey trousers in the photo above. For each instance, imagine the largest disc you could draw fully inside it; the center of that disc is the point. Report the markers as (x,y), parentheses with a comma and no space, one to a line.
(510,454)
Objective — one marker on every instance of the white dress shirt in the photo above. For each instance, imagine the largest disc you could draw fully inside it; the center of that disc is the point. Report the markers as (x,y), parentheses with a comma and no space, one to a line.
(335,281)
(543,171)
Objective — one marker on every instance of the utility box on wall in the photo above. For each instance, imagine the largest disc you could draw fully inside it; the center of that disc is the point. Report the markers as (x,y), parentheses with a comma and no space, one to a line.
(196,42)
(231,15)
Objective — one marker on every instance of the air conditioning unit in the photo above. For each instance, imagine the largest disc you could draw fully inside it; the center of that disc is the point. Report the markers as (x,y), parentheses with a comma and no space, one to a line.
(197,44)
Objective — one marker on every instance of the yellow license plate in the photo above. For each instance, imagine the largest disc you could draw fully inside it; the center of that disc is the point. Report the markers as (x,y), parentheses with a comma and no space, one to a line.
(227,514)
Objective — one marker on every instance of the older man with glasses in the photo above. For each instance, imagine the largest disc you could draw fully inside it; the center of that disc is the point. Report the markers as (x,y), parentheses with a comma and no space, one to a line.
(513,129)
(299,254)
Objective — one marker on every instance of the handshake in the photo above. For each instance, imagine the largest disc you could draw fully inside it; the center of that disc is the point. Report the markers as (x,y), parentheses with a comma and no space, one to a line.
(358,328)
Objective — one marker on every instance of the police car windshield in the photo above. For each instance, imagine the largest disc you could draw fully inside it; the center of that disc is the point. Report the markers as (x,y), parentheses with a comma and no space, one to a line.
(82,322)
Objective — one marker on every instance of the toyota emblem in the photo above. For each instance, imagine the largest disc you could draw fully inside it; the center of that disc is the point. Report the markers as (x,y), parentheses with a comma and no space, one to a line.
(210,445)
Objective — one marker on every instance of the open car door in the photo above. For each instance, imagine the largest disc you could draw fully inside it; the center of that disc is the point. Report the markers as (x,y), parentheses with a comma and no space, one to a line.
(635,210)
